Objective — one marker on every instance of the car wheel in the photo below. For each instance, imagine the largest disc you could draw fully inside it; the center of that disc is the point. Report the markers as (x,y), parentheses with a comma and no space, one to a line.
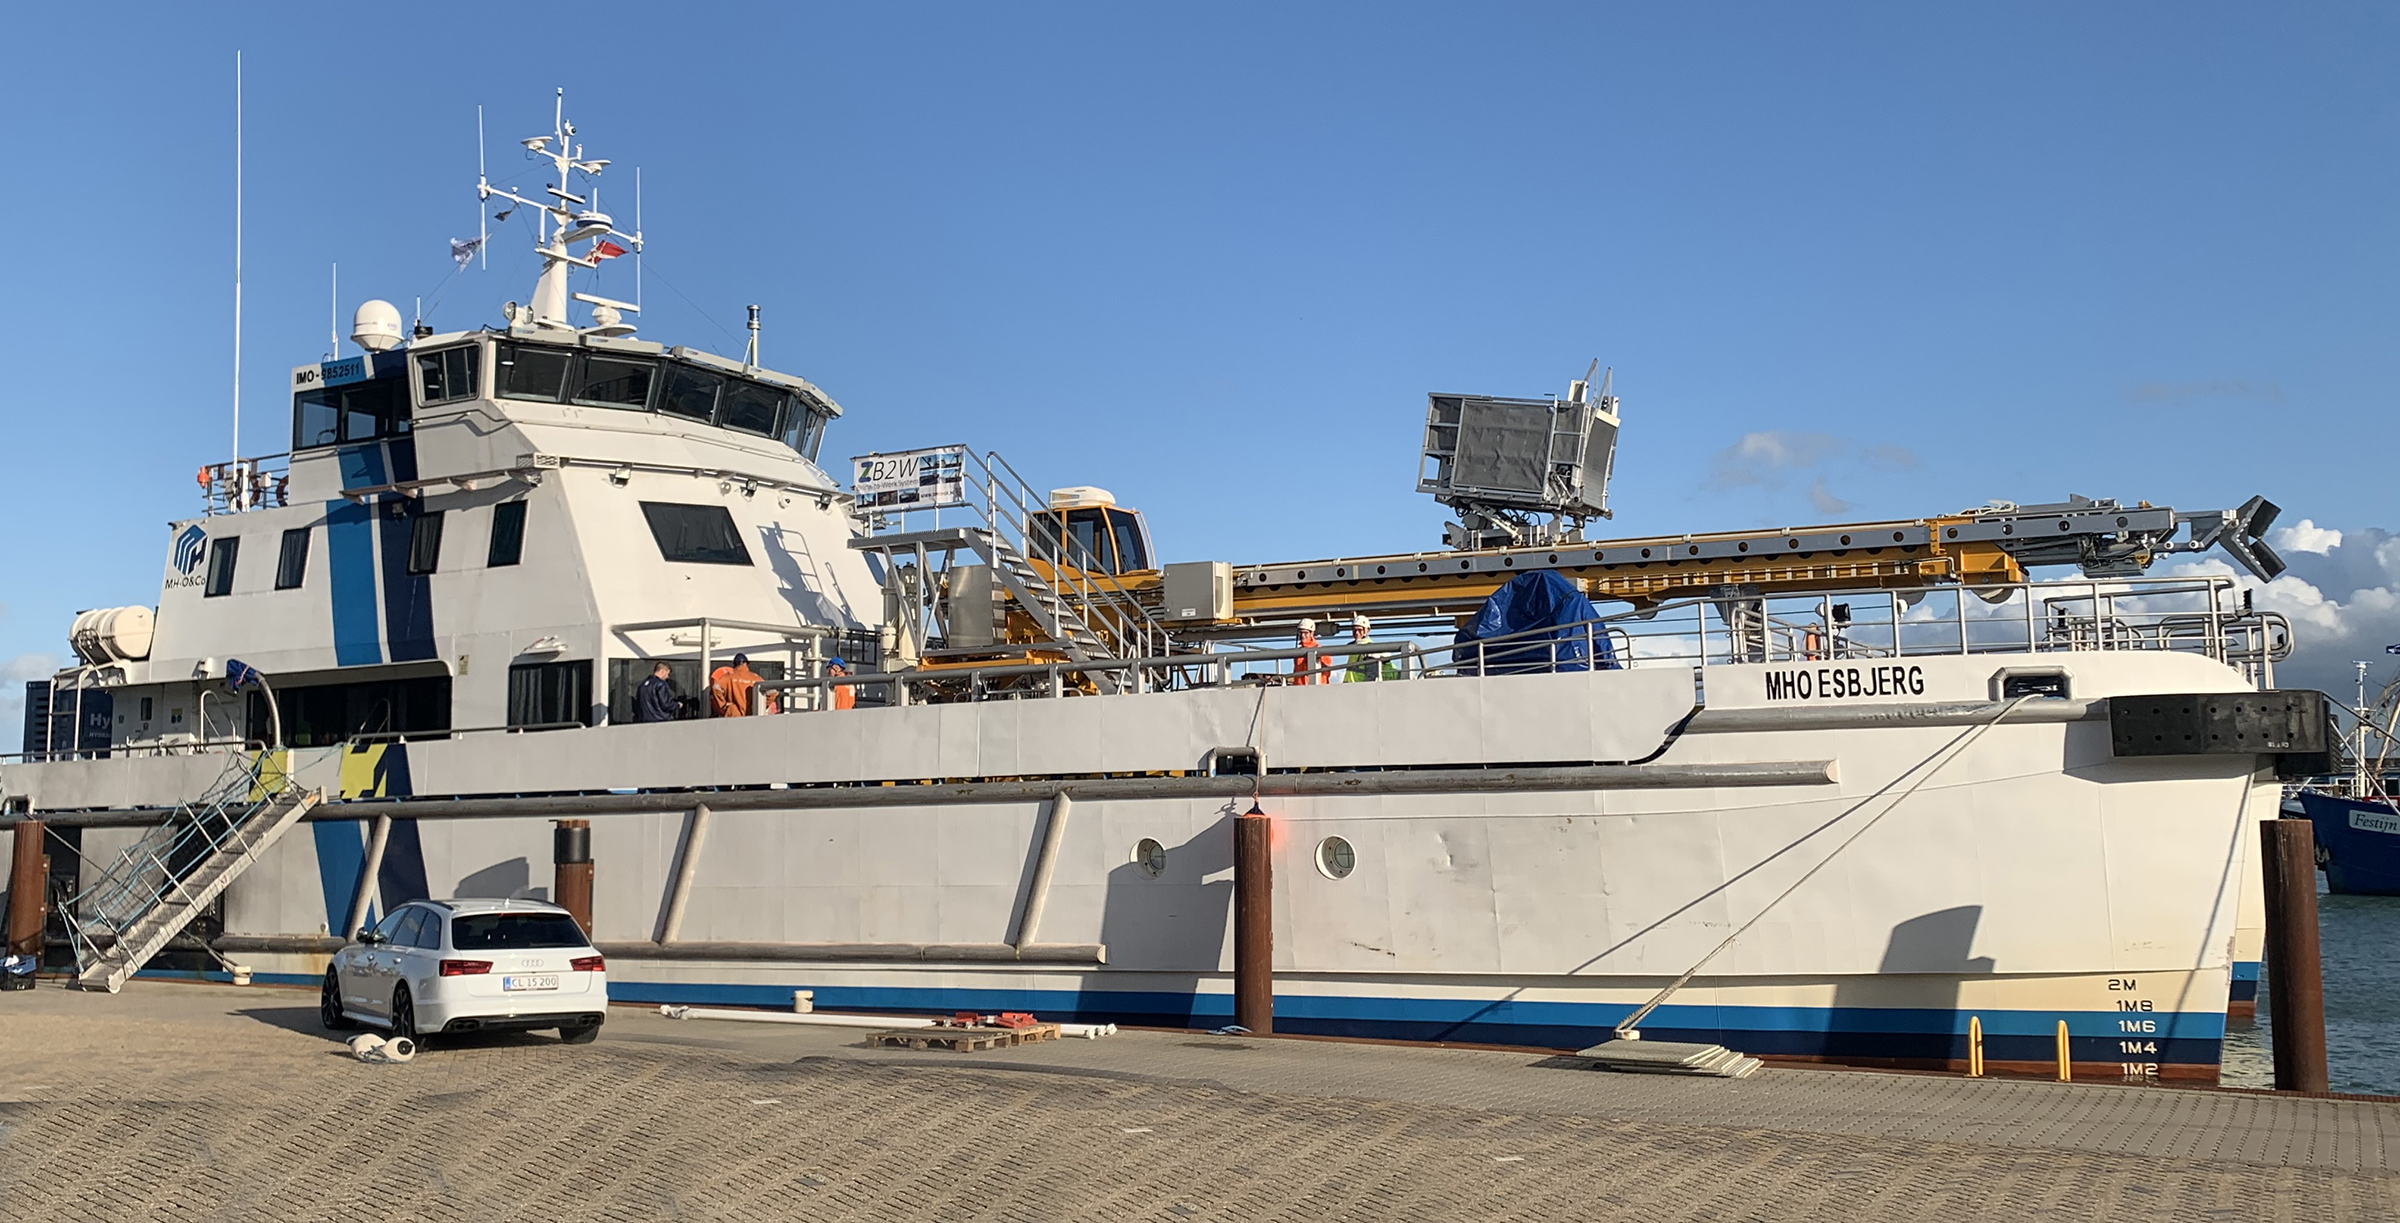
(580,1036)
(404,1016)
(329,1005)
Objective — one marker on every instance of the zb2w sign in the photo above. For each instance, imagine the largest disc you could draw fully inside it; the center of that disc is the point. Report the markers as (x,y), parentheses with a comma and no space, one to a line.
(911,479)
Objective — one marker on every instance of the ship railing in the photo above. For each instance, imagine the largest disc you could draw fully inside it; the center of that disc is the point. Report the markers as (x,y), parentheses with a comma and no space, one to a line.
(2183,615)
(239,485)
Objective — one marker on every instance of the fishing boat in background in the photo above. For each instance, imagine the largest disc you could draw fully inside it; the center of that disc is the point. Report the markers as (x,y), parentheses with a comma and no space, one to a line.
(2357,822)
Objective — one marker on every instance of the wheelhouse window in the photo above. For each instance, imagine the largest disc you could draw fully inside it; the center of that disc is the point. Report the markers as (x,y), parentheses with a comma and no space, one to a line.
(691,394)
(508,534)
(533,371)
(751,407)
(450,375)
(291,564)
(614,382)
(359,412)
(424,544)
(803,428)
(695,534)
(221,554)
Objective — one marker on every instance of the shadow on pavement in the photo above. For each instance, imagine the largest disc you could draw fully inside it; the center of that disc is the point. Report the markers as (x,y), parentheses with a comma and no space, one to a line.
(303,1020)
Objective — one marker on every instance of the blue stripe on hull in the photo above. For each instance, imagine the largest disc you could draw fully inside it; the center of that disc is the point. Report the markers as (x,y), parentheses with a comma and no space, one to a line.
(1854,1033)
(2244,984)
(350,580)
(341,851)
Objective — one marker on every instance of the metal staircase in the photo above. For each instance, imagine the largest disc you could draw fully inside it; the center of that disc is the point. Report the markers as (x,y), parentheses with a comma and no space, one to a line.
(160,883)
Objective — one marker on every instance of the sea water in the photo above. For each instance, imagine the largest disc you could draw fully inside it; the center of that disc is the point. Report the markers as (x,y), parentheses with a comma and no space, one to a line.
(2359,940)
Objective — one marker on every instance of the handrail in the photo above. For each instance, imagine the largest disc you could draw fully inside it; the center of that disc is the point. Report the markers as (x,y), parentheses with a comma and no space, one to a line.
(2030,618)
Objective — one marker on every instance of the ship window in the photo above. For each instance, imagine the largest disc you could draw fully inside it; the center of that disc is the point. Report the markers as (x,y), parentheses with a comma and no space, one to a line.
(695,534)
(614,382)
(508,534)
(751,408)
(550,693)
(803,428)
(1150,858)
(359,412)
(691,394)
(291,565)
(531,372)
(424,543)
(449,374)
(221,554)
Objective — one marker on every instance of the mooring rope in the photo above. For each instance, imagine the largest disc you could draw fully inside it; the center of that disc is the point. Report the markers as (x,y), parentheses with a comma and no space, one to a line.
(1951,751)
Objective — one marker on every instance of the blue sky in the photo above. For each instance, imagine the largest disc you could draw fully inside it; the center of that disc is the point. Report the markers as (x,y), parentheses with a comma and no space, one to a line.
(1848,261)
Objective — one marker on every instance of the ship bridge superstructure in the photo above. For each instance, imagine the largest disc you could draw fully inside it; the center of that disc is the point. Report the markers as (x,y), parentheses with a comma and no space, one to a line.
(490,528)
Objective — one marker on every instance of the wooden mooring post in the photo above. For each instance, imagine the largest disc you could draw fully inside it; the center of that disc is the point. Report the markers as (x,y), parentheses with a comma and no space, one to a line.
(571,856)
(1254,922)
(2295,981)
(28,899)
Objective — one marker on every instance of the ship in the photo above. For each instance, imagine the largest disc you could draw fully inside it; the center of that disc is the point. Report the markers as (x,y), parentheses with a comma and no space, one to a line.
(1876,793)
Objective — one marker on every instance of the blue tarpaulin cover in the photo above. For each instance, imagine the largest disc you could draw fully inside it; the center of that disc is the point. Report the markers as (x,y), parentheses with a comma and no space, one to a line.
(1534,601)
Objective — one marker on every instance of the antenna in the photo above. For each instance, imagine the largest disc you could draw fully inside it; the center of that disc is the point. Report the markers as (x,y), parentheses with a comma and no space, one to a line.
(333,318)
(751,361)
(237,254)
(483,225)
(637,239)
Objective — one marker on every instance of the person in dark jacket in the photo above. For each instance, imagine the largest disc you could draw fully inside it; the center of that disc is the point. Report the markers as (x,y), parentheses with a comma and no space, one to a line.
(655,700)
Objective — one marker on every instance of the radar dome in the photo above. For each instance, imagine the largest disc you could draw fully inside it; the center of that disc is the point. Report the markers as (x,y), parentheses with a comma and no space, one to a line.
(376,327)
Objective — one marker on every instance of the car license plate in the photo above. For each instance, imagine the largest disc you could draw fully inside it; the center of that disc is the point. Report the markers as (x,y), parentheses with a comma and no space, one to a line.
(548,980)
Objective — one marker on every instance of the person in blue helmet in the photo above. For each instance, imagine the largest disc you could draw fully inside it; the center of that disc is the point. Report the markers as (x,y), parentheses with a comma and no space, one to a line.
(844,696)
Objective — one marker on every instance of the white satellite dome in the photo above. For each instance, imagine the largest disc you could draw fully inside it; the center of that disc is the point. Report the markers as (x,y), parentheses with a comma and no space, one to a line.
(376,326)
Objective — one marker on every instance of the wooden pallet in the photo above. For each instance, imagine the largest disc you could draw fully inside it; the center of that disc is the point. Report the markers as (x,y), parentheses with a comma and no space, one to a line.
(964,1040)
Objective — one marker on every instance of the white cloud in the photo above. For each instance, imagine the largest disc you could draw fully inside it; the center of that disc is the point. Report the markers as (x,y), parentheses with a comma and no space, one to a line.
(2342,598)
(1822,500)
(1775,459)
(2306,536)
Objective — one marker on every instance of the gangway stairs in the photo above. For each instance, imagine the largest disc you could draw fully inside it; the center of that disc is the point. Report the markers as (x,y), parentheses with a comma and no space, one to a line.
(160,883)
(1068,622)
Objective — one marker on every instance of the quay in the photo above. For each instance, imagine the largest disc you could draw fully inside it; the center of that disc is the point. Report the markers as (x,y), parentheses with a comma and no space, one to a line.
(192,1101)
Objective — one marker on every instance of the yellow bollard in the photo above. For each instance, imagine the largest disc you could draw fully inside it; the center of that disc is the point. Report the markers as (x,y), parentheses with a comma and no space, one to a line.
(1974,1046)
(2066,1064)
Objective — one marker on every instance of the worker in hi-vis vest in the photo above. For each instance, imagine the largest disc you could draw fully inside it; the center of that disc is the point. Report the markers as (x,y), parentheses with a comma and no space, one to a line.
(1311,668)
(1366,666)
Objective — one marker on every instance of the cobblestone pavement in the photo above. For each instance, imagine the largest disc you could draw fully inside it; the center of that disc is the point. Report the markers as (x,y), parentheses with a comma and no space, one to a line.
(204,1102)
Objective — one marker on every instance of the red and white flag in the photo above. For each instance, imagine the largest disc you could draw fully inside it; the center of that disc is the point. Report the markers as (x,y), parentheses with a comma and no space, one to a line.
(605,249)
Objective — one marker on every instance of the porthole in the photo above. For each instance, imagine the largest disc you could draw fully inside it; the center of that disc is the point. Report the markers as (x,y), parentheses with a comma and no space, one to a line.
(1150,857)
(1335,858)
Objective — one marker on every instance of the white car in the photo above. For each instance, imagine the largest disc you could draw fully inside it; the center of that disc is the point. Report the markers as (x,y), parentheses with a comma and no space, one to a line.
(440,966)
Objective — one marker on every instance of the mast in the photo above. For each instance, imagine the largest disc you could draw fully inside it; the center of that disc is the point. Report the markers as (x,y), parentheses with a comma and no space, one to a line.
(561,221)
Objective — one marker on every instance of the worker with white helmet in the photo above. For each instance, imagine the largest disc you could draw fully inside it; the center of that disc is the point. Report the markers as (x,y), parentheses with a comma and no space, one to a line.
(1311,668)
(1366,666)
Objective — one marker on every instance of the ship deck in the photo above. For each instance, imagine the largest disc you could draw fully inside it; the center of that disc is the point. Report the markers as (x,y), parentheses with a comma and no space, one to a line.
(205,1101)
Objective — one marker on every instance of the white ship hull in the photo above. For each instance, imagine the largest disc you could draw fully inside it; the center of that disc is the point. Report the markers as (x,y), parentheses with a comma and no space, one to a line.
(2013,873)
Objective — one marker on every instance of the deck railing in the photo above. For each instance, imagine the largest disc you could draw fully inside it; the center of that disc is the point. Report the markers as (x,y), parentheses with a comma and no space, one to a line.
(2199,615)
